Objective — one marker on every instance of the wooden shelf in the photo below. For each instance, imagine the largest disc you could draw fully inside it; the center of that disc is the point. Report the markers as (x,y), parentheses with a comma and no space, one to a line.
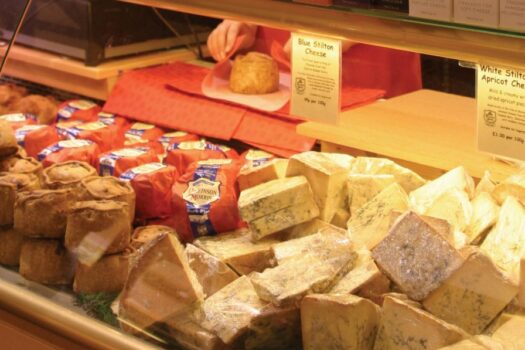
(72,75)
(425,128)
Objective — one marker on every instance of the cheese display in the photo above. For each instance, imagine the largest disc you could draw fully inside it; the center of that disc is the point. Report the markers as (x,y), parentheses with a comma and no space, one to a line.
(22,133)
(142,131)
(277,205)
(117,162)
(81,110)
(44,108)
(43,213)
(229,312)
(10,246)
(363,187)
(18,120)
(474,295)
(454,207)
(406,178)
(404,326)
(505,243)
(326,177)
(205,199)
(309,228)
(485,212)
(8,144)
(416,257)
(254,74)
(151,293)
(108,275)
(254,173)
(485,184)
(473,344)
(107,137)
(63,151)
(239,251)
(514,186)
(152,183)
(172,137)
(145,234)
(10,185)
(188,333)
(95,228)
(510,334)
(181,155)
(46,261)
(34,141)
(212,273)
(66,175)
(338,322)
(370,224)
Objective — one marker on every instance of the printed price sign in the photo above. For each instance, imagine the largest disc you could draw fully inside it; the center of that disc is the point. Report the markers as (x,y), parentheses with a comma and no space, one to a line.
(316,78)
(501,111)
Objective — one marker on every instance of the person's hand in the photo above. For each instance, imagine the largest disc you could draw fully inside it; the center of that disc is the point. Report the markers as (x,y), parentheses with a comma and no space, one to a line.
(222,39)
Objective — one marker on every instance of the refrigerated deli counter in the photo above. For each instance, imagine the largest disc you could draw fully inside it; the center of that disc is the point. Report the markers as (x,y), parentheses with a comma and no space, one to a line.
(119,232)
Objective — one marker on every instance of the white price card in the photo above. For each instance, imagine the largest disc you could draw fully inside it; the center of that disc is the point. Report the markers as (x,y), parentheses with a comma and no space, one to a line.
(501,111)
(316,78)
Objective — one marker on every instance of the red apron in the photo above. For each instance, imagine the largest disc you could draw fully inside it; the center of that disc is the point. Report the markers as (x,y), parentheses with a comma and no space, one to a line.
(365,66)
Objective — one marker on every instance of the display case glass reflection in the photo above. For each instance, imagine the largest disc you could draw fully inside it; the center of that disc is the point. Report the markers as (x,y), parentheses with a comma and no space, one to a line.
(11,15)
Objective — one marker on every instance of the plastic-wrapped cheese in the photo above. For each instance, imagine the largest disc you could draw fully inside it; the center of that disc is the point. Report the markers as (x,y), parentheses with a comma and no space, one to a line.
(107,137)
(154,145)
(82,110)
(118,161)
(62,151)
(142,131)
(255,158)
(22,132)
(19,120)
(205,199)
(113,119)
(181,155)
(172,137)
(34,141)
(152,183)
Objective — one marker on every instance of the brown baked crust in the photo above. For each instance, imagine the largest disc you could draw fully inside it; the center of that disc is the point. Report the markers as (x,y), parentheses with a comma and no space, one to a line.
(10,94)
(8,144)
(10,247)
(46,261)
(67,174)
(44,108)
(145,234)
(10,184)
(108,188)
(108,275)
(43,213)
(24,165)
(106,224)
(254,74)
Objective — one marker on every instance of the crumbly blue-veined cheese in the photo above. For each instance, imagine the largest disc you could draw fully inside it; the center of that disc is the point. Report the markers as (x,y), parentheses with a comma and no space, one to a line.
(239,251)
(327,177)
(284,218)
(505,243)
(363,187)
(453,206)
(251,176)
(315,272)
(404,326)
(338,322)
(229,312)
(513,186)
(370,224)
(212,273)
(474,295)
(309,228)
(272,196)
(416,257)
(422,198)
(408,179)
(485,212)
(511,334)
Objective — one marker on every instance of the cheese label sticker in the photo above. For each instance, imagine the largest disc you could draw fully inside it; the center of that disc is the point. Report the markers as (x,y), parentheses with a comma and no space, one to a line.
(16,117)
(78,105)
(82,105)
(23,131)
(142,169)
(74,143)
(201,192)
(191,145)
(175,134)
(215,162)
(92,126)
(132,140)
(108,161)
(316,78)
(501,111)
(129,152)
(142,126)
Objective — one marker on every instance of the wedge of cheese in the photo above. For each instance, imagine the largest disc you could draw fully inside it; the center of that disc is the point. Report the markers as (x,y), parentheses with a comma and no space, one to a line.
(457,178)
(284,218)
(485,212)
(453,206)
(161,284)
(363,187)
(212,273)
(510,334)
(370,224)
(364,279)
(404,326)
(239,251)
(229,312)
(513,186)
(338,322)
(521,297)
(340,218)
(309,228)
(416,257)
(327,177)
(474,295)
(289,282)
(252,176)
(485,184)
(408,179)
(475,343)
(505,244)
(343,160)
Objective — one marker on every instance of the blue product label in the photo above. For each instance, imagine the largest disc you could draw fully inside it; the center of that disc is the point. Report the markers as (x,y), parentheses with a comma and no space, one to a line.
(108,161)
(62,145)
(142,169)
(79,105)
(106,118)
(195,145)
(199,196)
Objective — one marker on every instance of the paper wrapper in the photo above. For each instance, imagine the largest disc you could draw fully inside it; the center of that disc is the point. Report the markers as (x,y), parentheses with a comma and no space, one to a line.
(81,110)
(63,151)
(107,137)
(117,162)
(35,141)
(19,120)
(181,155)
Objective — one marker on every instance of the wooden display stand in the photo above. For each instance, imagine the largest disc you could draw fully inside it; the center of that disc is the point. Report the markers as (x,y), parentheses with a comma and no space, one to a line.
(428,131)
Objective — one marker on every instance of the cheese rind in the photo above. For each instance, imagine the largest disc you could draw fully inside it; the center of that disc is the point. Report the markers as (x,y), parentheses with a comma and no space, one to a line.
(404,326)
(416,257)
(369,225)
(256,175)
(326,175)
(474,295)
(485,212)
(505,243)
(338,322)
(363,187)
(188,333)
(309,228)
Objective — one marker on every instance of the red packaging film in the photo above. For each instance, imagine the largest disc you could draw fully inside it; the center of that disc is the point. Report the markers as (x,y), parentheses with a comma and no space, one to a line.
(176,137)
(144,131)
(117,162)
(19,120)
(81,110)
(255,158)
(229,152)
(107,137)
(181,155)
(113,119)
(154,145)
(63,151)
(205,199)
(21,133)
(152,183)
(36,140)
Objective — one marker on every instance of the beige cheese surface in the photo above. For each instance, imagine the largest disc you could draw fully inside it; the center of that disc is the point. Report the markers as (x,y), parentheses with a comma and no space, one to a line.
(485,213)
(514,186)
(363,187)
(256,175)
(454,207)
(511,334)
